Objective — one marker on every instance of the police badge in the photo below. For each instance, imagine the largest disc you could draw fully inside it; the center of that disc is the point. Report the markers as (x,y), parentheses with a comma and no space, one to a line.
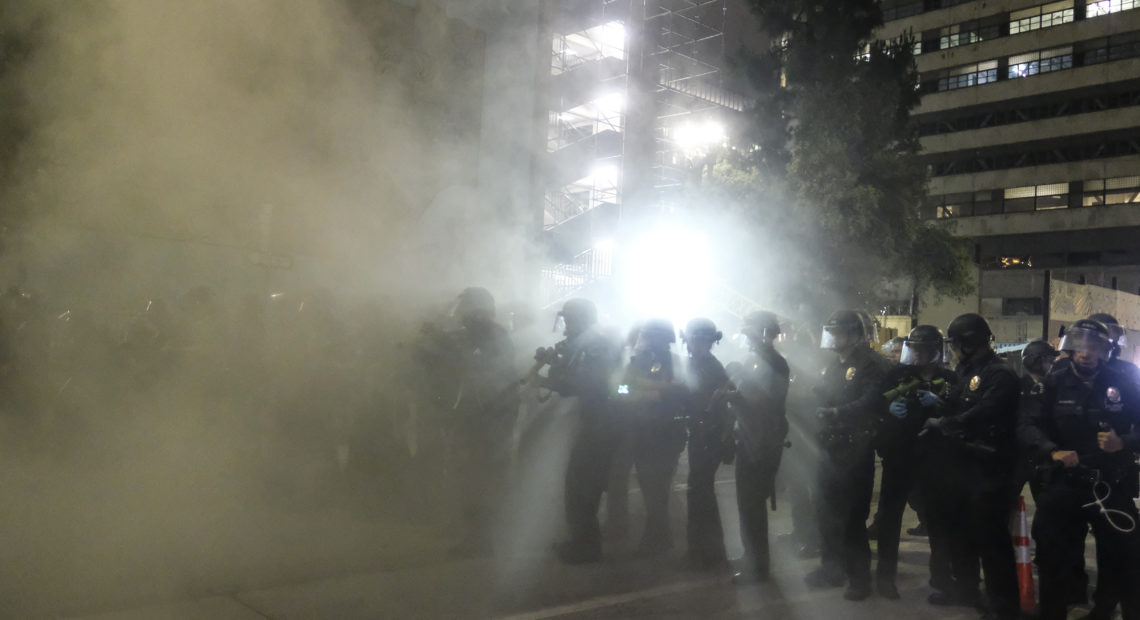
(850,373)
(975,383)
(1113,395)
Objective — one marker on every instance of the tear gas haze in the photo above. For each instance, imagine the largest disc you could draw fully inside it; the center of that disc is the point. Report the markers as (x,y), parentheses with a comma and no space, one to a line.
(222,219)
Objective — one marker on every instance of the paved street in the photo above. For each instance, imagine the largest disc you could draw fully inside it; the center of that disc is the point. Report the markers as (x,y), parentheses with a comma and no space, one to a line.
(529,585)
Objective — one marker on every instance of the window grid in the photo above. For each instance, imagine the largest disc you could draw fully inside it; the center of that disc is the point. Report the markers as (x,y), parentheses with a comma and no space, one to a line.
(1019,200)
(1096,8)
(1040,17)
(1025,65)
(1114,191)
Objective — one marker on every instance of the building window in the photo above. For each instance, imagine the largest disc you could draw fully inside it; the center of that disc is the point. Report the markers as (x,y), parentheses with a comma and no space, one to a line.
(1043,16)
(1052,196)
(969,75)
(1115,191)
(969,32)
(1096,8)
(1025,65)
(1036,198)
(1020,306)
(899,11)
(1116,47)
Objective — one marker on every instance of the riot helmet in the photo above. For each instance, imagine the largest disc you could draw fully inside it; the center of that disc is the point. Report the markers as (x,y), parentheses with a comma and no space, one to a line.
(968,334)
(892,349)
(701,328)
(1037,357)
(761,327)
(843,329)
(1115,331)
(474,305)
(1088,344)
(578,315)
(657,334)
(922,346)
(658,331)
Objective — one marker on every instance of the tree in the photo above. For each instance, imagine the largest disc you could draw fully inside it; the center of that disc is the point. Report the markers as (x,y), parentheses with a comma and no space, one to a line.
(835,165)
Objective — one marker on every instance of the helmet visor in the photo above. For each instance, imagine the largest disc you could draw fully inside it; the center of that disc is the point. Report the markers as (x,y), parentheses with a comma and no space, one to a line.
(761,335)
(1081,340)
(920,354)
(834,338)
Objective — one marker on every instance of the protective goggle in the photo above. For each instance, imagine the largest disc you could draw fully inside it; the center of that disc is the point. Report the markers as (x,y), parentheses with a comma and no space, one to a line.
(1079,339)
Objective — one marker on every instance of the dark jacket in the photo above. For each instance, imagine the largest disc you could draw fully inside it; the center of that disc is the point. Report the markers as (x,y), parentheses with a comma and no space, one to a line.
(759,407)
(584,368)
(853,388)
(707,419)
(984,408)
(1066,413)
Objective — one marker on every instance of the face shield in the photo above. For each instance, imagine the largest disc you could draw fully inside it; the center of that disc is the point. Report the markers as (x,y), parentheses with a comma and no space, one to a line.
(1087,347)
(834,338)
(764,335)
(920,354)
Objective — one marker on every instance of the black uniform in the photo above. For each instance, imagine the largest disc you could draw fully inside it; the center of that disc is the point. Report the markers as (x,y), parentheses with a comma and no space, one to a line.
(708,429)
(761,426)
(901,456)
(655,406)
(1066,413)
(847,474)
(583,369)
(970,499)
(1025,471)
(481,422)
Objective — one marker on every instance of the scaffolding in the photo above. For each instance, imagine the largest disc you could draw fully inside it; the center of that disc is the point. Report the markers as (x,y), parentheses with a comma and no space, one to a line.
(595,62)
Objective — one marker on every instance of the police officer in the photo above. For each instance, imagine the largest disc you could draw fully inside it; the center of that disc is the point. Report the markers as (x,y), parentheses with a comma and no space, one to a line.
(916,390)
(653,397)
(758,405)
(977,479)
(709,430)
(850,401)
(1128,369)
(581,366)
(1037,359)
(483,415)
(1083,419)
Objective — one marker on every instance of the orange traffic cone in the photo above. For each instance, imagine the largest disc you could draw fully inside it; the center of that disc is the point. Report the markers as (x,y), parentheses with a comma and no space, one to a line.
(1024,566)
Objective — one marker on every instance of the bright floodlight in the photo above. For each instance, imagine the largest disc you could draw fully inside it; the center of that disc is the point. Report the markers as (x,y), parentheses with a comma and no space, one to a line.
(666,274)
(695,139)
(612,102)
(603,176)
(612,36)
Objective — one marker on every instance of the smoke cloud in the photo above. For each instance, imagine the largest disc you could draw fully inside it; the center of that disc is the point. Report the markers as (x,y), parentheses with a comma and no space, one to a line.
(223,218)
